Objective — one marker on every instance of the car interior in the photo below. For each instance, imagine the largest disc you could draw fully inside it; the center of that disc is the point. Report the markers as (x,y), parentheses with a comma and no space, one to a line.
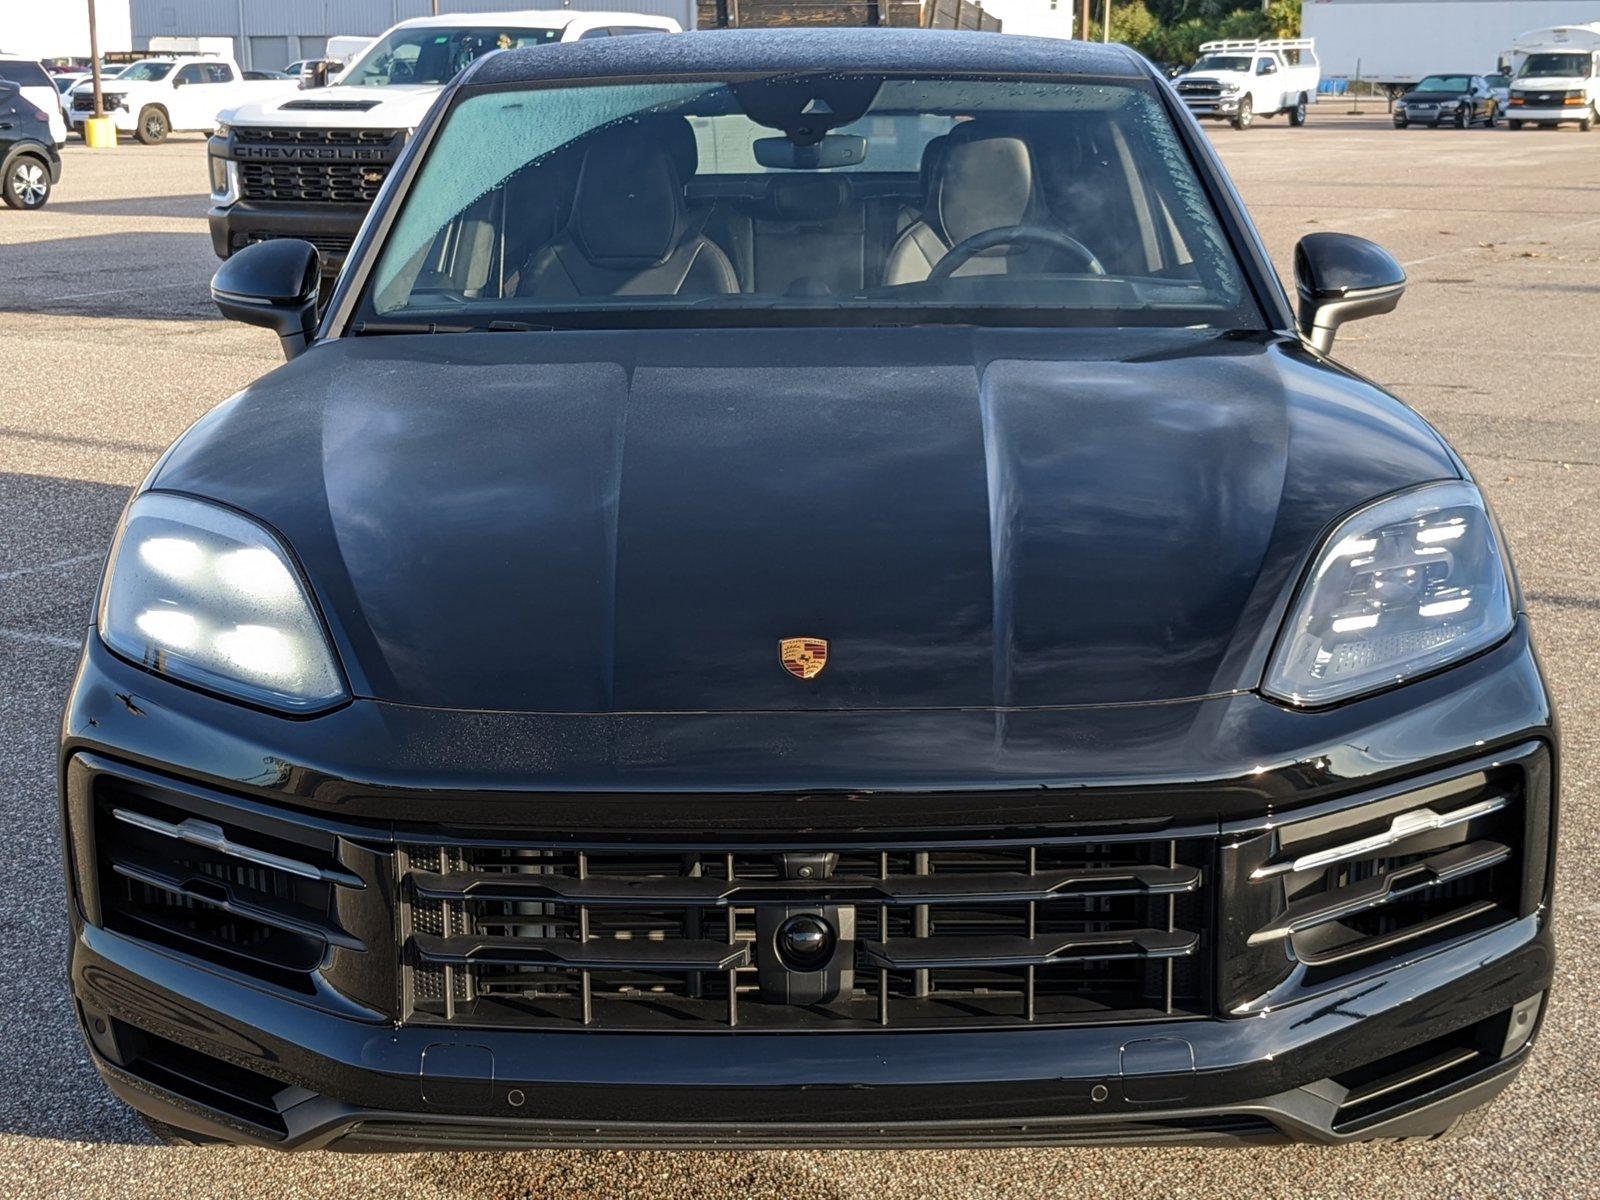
(886,203)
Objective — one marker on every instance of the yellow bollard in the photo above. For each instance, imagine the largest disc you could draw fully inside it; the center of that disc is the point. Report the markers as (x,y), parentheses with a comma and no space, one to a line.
(100,133)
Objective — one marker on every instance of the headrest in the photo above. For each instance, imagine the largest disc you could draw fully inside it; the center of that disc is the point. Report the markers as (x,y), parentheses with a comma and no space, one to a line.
(628,209)
(932,159)
(984,182)
(807,197)
(676,137)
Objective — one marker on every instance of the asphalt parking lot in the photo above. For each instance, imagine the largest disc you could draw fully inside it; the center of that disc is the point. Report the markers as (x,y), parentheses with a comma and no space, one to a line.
(110,347)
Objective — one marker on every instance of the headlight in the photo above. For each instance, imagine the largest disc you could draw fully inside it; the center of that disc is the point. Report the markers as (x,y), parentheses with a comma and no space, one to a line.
(208,596)
(1229,89)
(222,130)
(1405,586)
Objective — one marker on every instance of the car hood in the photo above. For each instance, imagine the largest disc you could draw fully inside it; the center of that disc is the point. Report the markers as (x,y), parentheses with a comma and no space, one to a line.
(397,106)
(1218,76)
(1553,83)
(630,522)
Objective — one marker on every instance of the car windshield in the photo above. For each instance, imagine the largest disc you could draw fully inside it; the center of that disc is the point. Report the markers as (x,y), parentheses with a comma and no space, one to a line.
(1553,66)
(146,72)
(1223,62)
(435,54)
(809,199)
(1445,83)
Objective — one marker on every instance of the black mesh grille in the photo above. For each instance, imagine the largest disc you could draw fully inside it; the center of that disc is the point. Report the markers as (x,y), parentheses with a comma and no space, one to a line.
(1045,931)
(312,183)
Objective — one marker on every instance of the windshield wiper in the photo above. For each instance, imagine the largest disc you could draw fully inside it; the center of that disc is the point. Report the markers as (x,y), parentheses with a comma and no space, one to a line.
(382,328)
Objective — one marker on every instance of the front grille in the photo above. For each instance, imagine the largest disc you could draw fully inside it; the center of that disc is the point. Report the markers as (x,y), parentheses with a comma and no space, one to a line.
(1199,89)
(1047,930)
(312,182)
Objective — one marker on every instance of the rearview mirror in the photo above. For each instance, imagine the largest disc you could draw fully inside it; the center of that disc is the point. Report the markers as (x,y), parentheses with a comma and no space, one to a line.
(1340,277)
(272,284)
(835,150)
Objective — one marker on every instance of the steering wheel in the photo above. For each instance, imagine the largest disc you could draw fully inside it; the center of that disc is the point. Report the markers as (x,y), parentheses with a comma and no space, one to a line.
(1013,235)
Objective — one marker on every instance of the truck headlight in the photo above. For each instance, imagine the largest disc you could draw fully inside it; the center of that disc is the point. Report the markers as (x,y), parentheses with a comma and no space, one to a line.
(1229,89)
(207,596)
(224,179)
(1407,585)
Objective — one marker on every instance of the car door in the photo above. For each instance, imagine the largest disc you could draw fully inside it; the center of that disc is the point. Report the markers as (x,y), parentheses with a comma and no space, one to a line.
(201,91)
(1268,89)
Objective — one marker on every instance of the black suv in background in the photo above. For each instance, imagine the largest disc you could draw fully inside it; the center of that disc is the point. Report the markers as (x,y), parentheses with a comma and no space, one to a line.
(29,164)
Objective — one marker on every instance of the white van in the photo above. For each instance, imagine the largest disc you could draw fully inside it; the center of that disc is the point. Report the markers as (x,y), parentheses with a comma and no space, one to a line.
(1555,77)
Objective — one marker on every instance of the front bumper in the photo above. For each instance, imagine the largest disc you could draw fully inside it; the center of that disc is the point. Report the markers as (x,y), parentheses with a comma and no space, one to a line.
(1394,1052)
(340,1082)
(1549,116)
(1223,106)
(331,228)
(125,120)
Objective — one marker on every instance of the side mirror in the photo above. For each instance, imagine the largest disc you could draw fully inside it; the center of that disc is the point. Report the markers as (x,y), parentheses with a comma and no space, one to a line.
(315,75)
(272,284)
(178,81)
(1339,278)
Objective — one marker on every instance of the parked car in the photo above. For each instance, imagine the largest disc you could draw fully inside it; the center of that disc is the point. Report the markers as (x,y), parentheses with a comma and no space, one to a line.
(1500,89)
(309,164)
(155,96)
(297,68)
(1459,100)
(29,162)
(1556,77)
(34,83)
(260,75)
(1241,79)
(681,655)
(64,83)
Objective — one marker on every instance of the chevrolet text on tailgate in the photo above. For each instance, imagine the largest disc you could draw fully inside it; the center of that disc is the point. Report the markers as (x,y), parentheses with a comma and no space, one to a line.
(309,163)
(809,589)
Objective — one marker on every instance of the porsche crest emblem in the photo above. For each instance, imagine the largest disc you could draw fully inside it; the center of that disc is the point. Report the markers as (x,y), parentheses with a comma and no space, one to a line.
(803,657)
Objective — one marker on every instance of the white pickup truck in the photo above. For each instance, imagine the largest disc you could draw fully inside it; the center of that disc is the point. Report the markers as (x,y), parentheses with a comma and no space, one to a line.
(157,95)
(1240,80)
(308,164)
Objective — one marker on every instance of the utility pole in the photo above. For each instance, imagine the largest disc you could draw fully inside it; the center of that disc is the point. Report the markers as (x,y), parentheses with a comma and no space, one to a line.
(94,64)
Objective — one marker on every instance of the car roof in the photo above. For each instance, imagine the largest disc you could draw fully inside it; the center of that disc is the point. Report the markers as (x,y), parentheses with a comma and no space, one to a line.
(735,51)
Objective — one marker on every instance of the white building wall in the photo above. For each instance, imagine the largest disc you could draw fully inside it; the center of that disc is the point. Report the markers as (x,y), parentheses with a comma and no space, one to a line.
(60,28)
(1403,40)
(1037,18)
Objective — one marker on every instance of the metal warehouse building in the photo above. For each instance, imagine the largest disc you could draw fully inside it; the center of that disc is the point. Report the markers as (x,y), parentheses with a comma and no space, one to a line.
(267,34)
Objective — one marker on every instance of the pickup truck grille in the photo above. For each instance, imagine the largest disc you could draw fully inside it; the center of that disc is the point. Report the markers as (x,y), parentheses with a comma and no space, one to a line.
(312,182)
(1050,930)
(314,166)
(1199,89)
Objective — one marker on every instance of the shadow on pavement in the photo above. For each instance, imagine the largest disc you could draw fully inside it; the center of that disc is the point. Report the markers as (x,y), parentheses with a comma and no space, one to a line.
(137,206)
(133,276)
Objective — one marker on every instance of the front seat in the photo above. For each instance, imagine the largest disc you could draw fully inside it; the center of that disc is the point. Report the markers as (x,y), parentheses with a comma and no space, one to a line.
(627,234)
(983,179)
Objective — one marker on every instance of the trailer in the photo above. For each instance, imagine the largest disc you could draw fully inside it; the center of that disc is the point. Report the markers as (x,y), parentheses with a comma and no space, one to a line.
(1395,43)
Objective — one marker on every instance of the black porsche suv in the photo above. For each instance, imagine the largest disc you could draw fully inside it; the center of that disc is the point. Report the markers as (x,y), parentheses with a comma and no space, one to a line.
(809,589)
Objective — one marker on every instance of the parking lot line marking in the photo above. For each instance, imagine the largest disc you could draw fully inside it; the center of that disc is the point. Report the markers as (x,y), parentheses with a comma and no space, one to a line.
(41,639)
(158,287)
(59,565)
